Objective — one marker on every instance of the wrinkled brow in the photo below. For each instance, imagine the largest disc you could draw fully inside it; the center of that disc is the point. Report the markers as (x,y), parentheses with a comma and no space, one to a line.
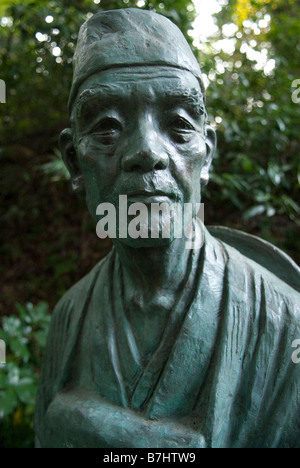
(192,98)
(106,93)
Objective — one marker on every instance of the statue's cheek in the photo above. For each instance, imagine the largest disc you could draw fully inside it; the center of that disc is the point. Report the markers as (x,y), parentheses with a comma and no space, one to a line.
(193,153)
(91,147)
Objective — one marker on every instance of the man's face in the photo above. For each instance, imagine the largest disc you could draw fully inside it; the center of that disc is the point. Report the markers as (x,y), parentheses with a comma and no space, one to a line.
(141,132)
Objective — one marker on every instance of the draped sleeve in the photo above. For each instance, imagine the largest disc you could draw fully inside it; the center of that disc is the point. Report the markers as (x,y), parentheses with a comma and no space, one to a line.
(65,327)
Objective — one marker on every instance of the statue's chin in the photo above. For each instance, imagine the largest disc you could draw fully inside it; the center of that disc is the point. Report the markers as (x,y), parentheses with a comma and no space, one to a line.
(145,243)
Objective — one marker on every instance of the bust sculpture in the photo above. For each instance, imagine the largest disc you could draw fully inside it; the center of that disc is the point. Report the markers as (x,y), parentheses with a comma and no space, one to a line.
(162,346)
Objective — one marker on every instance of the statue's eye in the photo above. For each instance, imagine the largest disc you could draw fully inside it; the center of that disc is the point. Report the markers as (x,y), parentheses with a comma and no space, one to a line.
(181,129)
(180,123)
(108,130)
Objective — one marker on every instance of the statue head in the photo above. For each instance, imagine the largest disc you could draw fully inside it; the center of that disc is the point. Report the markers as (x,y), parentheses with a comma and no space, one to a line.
(137,107)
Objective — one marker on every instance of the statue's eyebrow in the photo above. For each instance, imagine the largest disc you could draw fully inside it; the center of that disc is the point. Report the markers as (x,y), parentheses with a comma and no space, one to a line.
(192,99)
(104,93)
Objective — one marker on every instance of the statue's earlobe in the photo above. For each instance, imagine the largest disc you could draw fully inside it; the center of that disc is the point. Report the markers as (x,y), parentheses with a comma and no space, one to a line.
(211,144)
(70,158)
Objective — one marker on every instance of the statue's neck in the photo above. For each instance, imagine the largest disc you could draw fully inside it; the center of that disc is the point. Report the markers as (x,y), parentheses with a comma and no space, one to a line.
(155,271)
(154,281)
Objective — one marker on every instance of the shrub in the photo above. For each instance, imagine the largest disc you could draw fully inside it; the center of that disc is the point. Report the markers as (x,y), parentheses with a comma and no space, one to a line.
(25,337)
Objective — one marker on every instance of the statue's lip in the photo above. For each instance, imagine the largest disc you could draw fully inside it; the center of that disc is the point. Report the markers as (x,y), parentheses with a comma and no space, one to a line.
(151,193)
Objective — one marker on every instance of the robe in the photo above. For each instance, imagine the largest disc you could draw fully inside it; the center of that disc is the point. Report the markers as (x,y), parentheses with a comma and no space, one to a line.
(222,376)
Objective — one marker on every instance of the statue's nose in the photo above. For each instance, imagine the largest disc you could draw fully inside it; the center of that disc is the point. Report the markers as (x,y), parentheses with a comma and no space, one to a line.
(145,152)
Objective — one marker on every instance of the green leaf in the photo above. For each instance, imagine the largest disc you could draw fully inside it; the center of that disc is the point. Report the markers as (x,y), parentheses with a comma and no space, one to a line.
(12,326)
(26,391)
(275,174)
(38,313)
(271,211)
(254,211)
(23,313)
(19,349)
(262,197)
(13,375)
(41,338)
(8,402)
(3,379)
(281,125)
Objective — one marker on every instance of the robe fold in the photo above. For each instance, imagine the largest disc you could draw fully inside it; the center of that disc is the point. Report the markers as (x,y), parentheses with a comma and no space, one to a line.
(222,376)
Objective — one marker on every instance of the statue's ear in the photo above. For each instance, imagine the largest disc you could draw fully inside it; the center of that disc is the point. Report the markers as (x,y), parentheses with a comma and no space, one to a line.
(70,158)
(211,144)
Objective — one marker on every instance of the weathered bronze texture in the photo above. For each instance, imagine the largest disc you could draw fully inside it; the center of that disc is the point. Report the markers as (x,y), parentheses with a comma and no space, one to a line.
(161,346)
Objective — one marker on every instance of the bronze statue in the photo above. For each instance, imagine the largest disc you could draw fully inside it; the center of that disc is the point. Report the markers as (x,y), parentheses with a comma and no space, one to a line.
(159,345)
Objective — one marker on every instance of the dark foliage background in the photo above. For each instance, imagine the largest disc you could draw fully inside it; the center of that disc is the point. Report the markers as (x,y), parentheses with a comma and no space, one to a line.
(48,241)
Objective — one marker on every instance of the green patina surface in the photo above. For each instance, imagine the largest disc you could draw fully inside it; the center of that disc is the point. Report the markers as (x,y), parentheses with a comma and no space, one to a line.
(160,346)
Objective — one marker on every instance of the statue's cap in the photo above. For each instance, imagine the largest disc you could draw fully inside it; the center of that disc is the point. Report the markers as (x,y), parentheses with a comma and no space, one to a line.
(129,37)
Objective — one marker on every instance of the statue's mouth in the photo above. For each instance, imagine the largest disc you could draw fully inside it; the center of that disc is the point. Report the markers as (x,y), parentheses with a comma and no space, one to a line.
(151,196)
(147,193)
(150,193)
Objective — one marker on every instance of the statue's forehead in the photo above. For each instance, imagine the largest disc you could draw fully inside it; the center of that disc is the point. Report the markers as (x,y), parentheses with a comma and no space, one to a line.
(147,81)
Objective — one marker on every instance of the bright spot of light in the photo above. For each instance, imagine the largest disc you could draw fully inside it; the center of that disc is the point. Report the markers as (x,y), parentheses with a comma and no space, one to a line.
(269,67)
(41,37)
(220,68)
(205,80)
(226,45)
(49,19)
(56,51)
(229,30)
(204,24)
(262,24)
(260,57)
(247,24)
(6,21)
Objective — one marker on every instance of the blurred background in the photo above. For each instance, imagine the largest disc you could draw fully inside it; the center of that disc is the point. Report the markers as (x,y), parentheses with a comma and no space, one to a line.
(249,51)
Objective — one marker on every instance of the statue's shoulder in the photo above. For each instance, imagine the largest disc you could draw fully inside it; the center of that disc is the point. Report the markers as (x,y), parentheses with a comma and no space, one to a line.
(260,256)
(261,278)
